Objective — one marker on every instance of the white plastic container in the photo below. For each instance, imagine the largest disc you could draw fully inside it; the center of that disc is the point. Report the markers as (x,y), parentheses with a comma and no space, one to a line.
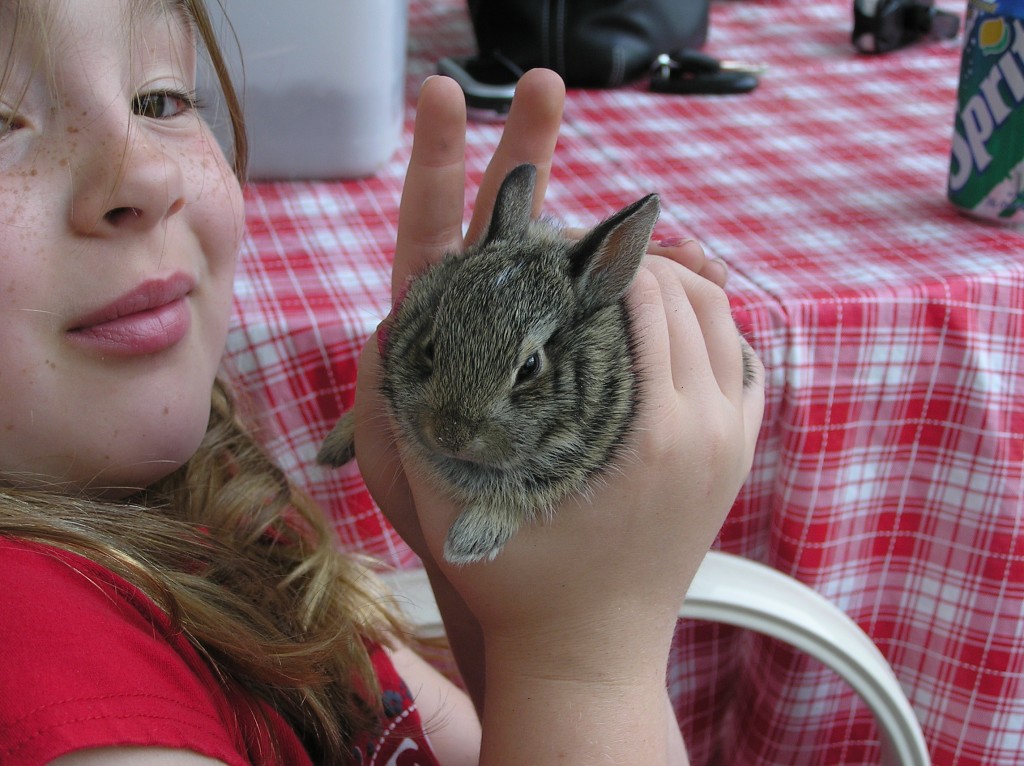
(322,83)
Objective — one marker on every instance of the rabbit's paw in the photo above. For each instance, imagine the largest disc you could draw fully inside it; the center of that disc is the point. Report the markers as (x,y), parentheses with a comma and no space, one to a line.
(340,445)
(480,532)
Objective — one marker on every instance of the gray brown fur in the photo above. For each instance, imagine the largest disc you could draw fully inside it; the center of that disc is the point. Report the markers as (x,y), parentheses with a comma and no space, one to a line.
(508,444)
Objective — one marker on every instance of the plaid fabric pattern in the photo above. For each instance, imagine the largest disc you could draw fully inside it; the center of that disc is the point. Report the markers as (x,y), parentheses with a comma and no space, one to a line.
(890,471)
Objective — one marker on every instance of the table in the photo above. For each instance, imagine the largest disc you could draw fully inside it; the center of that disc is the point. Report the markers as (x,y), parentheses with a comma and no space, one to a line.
(890,470)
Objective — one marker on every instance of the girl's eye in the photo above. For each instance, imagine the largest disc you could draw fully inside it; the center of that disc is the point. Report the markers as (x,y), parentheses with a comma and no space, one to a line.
(8,124)
(162,105)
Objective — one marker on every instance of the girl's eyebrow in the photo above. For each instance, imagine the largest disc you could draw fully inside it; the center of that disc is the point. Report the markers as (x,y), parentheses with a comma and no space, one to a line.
(157,10)
(148,14)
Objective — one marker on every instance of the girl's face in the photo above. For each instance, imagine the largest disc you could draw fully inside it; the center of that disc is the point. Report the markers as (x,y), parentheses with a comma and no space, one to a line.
(119,226)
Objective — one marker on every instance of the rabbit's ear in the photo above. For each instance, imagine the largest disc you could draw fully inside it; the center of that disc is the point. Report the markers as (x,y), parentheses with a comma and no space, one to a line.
(605,261)
(513,208)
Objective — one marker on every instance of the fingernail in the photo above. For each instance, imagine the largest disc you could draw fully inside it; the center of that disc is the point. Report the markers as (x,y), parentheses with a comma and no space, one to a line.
(404,291)
(383,333)
(675,241)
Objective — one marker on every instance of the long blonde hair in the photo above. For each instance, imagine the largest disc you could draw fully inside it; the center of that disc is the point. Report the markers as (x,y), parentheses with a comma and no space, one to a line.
(240,560)
(247,567)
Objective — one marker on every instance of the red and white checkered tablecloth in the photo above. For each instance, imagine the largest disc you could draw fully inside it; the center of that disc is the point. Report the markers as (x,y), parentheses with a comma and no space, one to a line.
(890,472)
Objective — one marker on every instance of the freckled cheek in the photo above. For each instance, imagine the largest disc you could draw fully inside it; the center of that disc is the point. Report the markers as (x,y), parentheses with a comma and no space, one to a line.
(218,207)
(29,281)
(217,219)
(24,377)
(29,203)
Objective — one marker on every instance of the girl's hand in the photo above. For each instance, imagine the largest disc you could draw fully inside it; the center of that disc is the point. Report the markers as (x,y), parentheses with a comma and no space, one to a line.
(577,614)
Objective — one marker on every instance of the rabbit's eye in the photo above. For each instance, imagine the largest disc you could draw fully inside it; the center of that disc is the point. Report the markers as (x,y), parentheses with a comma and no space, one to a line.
(530,368)
(425,358)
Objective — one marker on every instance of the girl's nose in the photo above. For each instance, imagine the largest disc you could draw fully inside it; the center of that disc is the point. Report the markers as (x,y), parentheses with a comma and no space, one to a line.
(124,180)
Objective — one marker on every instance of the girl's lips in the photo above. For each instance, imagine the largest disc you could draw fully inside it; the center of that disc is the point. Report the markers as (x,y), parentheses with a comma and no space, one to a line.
(146,320)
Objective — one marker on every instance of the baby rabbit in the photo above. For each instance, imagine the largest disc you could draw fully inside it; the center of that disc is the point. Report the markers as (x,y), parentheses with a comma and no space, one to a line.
(509,368)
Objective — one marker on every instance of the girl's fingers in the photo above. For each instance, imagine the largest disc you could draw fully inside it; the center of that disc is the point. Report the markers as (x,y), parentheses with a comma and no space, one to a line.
(721,337)
(530,135)
(715,270)
(647,311)
(686,252)
(433,198)
(702,334)
(666,352)
(691,353)
(690,253)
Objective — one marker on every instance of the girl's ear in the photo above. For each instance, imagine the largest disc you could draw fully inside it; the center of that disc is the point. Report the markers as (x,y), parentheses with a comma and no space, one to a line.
(513,207)
(605,261)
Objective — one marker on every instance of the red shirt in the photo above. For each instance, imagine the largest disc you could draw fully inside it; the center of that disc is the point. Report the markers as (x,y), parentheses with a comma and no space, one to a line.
(87,660)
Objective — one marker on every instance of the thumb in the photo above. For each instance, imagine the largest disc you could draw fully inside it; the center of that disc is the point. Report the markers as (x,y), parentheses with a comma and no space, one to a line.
(376,453)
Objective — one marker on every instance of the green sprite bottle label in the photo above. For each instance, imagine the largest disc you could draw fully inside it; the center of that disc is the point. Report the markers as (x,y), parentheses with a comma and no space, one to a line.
(986,170)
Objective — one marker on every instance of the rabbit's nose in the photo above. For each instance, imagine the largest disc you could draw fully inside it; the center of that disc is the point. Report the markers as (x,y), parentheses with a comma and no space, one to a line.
(455,437)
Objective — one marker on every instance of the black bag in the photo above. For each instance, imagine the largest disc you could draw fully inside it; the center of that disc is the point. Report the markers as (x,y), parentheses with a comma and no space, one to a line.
(591,43)
(880,26)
